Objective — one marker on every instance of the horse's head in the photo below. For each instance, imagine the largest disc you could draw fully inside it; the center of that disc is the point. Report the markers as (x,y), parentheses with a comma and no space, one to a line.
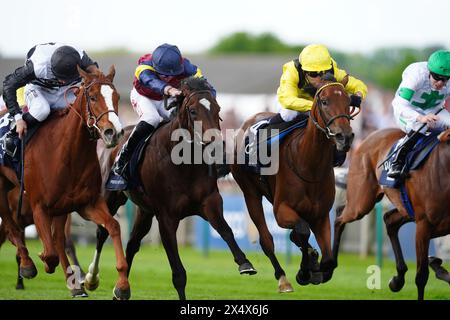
(198,107)
(331,113)
(99,106)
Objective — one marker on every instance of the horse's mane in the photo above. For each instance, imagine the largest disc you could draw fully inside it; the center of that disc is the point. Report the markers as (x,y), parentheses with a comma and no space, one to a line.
(196,83)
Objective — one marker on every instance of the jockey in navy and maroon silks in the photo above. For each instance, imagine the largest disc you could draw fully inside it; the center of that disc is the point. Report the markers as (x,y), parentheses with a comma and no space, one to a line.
(156,75)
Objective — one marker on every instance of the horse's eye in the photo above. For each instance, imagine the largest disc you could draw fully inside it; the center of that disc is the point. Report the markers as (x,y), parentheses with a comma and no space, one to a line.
(192,112)
(93,99)
(324,102)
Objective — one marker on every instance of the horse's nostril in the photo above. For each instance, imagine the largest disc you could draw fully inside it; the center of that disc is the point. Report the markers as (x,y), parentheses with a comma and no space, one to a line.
(339,136)
(109,132)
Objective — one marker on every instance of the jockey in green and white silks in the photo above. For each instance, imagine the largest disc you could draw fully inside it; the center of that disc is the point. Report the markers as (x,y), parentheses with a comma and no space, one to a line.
(422,92)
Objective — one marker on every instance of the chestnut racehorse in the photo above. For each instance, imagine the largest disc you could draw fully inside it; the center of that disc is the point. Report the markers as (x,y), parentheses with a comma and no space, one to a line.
(62,175)
(302,191)
(429,192)
(172,192)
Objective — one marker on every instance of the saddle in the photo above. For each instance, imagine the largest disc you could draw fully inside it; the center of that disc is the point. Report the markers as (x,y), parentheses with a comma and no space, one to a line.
(414,160)
(263,134)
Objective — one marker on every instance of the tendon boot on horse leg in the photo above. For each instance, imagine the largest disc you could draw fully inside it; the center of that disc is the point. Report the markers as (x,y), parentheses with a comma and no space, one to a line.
(142,130)
(396,170)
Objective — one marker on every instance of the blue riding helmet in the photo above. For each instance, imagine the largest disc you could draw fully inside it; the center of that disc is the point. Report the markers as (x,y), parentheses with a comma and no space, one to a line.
(167,60)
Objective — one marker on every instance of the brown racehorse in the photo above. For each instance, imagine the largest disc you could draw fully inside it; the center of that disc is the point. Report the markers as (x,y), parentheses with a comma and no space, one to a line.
(25,220)
(302,191)
(62,175)
(172,192)
(427,187)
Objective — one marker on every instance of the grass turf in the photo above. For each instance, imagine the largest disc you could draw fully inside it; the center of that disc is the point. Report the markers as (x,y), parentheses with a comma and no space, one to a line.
(212,277)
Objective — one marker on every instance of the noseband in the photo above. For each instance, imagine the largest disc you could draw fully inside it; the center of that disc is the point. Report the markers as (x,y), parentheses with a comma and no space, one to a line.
(326,130)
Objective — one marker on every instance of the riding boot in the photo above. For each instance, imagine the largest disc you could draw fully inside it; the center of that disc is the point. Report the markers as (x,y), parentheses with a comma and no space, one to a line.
(142,130)
(396,169)
(11,136)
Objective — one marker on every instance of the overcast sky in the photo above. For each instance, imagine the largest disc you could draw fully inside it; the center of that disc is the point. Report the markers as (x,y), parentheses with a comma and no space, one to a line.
(195,25)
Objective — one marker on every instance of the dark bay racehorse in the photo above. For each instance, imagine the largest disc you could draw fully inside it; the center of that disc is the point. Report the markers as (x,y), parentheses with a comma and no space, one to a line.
(429,192)
(25,220)
(172,192)
(62,175)
(302,191)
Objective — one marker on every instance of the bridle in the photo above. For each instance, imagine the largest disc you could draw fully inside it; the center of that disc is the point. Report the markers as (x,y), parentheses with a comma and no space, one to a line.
(91,118)
(326,130)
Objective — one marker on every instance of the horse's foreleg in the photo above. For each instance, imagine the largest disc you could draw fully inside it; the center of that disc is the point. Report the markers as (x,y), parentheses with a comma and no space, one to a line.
(212,210)
(70,247)
(141,227)
(15,235)
(43,223)
(256,212)
(71,272)
(168,229)
(99,214)
(309,266)
(422,245)
(393,221)
(322,231)
(114,200)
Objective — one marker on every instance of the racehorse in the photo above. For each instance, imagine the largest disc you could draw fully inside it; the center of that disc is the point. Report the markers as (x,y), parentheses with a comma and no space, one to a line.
(172,192)
(302,191)
(25,220)
(62,175)
(429,192)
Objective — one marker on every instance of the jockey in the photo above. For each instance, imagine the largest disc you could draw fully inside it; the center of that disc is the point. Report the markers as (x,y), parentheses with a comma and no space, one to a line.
(422,92)
(48,71)
(301,79)
(156,75)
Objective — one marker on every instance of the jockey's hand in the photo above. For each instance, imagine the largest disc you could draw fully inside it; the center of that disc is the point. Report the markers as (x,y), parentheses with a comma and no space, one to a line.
(355,100)
(430,119)
(171,91)
(21,128)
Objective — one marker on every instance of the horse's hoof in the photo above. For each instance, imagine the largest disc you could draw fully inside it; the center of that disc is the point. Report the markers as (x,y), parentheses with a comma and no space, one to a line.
(79,293)
(28,272)
(121,294)
(20,286)
(316,278)
(90,282)
(247,268)
(303,279)
(395,284)
(285,288)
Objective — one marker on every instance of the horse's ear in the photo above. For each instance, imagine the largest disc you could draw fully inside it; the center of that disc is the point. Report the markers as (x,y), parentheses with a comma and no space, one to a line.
(83,73)
(344,81)
(111,73)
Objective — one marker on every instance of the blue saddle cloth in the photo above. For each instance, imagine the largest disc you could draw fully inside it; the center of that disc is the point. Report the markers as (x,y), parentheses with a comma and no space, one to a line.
(261,135)
(13,162)
(414,160)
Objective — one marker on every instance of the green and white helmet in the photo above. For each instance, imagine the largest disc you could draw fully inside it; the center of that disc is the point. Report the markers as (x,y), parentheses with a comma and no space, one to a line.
(439,63)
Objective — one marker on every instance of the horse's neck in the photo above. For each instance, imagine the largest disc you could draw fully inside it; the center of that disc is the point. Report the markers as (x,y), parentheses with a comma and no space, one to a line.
(314,151)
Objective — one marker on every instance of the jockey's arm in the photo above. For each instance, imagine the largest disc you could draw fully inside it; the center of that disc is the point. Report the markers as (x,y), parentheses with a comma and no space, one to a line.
(19,78)
(288,91)
(149,79)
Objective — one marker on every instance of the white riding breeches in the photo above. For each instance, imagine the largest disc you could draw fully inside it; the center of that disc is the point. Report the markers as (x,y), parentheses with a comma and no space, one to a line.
(148,110)
(41,100)
(407,120)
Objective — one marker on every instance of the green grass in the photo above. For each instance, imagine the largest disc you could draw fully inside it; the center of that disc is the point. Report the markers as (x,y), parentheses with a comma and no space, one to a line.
(214,277)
